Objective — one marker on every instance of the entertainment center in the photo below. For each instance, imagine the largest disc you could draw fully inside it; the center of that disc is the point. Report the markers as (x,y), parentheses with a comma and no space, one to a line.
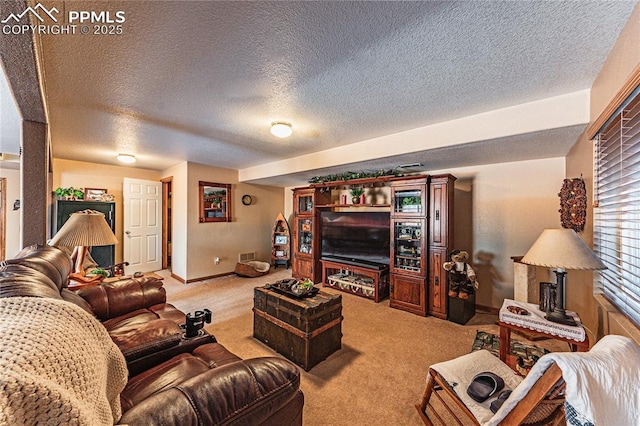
(392,245)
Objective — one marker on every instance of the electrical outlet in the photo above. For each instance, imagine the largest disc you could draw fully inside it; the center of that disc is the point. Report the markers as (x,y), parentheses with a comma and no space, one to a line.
(216,260)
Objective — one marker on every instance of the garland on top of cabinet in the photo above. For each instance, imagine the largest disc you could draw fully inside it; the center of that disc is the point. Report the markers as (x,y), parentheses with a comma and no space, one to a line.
(354,175)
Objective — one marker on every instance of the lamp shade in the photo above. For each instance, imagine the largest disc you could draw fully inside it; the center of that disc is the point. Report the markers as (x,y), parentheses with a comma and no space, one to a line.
(562,248)
(86,228)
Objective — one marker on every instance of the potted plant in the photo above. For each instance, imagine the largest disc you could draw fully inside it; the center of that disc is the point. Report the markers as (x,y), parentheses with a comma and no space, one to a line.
(356,192)
(70,193)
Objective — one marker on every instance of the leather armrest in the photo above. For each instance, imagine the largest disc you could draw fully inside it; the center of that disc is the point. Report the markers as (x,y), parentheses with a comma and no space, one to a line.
(112,299)
(243,392)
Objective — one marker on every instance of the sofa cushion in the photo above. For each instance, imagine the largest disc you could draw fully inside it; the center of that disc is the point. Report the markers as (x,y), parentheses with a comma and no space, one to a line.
(175,371)
(51,261)
(189,390)
(72,297)
(112,299)
(20,280)
(168,311)
(138,340)
(164,376)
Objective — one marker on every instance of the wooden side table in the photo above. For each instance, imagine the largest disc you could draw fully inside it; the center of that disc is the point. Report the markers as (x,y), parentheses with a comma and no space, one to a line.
(76,282)
(505,340)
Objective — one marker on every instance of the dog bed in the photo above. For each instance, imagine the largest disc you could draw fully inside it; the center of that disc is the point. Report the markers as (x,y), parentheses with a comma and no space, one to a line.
(252,269)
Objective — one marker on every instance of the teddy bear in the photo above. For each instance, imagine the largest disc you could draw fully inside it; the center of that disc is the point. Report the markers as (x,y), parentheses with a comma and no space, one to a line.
(462,277)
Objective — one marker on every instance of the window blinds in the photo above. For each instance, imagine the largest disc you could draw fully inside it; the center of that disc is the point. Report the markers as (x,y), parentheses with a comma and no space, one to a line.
(617,211)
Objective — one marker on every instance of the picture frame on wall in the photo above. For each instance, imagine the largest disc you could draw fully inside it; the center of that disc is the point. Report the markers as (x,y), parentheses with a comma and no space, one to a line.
(94,194)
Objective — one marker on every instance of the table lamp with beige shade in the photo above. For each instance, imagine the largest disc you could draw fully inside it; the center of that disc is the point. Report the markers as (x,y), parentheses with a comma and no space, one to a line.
(561,249)
(84,229)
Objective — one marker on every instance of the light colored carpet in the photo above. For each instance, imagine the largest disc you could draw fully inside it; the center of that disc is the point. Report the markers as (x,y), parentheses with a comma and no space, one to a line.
(377,376)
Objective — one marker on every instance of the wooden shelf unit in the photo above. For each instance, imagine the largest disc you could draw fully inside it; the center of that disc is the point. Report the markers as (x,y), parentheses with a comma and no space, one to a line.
(366,282)
(281,243)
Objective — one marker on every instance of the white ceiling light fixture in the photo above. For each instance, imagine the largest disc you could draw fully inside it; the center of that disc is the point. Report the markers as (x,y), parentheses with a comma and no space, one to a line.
(126,158)
(281,129)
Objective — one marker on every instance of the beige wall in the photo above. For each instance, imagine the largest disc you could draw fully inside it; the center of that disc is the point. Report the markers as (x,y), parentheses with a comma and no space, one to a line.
(599,316)
(511,204)
(68,173)
(579,284)
(194,244)
(12,225)
(249,230)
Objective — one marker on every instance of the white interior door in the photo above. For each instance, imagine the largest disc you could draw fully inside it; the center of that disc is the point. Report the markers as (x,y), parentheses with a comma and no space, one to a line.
(142,241)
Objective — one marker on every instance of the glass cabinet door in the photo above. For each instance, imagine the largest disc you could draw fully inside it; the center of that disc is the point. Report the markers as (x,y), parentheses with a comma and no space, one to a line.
(407,254)
(305,236)
(305,203)
(409,200)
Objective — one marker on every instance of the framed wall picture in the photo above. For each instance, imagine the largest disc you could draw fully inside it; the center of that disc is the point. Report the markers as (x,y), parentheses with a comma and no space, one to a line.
(280,239)
(94,194)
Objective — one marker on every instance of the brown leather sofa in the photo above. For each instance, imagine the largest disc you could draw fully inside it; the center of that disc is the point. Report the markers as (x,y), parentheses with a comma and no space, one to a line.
(172,380)
(139,320)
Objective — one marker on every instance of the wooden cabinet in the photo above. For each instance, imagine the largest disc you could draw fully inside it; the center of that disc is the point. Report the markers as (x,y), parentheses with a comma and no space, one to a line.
(103,255)
(409,268)
(306,235)
(440,223)
(421,236)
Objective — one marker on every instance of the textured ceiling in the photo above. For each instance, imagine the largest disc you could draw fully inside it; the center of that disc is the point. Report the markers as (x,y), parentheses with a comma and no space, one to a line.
(201,81)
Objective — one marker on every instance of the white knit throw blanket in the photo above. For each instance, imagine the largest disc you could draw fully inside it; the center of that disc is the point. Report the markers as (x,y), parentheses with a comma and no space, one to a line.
(58,365)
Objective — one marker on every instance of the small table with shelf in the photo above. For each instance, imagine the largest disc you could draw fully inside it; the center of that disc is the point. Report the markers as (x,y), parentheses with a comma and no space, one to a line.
(359,280)
(536,324)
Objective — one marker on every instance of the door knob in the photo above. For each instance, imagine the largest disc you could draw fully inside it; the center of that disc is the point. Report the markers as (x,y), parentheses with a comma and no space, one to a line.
(128,232)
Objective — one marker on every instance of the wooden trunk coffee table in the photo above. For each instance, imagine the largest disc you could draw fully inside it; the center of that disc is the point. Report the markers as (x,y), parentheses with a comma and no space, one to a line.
(305,331)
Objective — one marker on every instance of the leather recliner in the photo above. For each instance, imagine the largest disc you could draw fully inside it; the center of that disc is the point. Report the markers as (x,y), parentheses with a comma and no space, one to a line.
(200,383)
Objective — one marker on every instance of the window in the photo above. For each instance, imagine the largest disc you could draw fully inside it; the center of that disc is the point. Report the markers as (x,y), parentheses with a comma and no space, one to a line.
(617,211)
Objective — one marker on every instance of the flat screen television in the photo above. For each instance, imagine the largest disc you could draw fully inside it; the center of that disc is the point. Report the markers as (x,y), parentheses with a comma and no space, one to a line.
(355,236)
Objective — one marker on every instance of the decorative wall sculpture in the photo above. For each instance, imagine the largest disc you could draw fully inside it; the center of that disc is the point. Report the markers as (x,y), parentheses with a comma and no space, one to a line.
(573,204)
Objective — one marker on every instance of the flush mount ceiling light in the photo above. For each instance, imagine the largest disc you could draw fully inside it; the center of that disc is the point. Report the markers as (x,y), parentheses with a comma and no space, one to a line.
(126,158)
(281,129)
